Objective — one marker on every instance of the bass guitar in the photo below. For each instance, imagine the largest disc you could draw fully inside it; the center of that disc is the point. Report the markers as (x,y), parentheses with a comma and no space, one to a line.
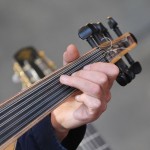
(21,112)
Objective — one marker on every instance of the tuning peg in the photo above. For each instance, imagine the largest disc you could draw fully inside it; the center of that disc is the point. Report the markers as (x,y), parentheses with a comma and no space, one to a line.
(125,77)
(125,74)
(135,66)
(85,33)
(122,79)
(95,33)
(114,25)
(103,30)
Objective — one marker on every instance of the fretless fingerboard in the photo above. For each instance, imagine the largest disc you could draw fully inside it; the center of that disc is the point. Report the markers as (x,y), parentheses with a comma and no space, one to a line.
(93,140)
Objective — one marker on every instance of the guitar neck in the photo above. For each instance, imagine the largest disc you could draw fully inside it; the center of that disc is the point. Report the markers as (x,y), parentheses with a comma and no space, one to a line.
(27,108)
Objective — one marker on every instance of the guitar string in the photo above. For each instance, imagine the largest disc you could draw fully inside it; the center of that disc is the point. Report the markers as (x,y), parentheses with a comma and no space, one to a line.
(22,109)
(20,125)
(46,82)
(11,116)
(52,84)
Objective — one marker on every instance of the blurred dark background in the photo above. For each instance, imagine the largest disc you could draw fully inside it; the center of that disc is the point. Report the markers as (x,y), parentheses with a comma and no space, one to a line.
(52,25)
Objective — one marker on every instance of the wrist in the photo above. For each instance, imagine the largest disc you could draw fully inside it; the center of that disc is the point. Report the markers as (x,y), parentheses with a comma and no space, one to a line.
(60,131)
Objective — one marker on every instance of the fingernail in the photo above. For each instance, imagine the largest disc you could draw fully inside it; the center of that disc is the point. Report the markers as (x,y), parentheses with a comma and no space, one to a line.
(64,78)
(77,97)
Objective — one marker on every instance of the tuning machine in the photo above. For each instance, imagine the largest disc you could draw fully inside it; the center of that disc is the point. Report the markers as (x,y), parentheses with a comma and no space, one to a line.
(85,33)
(135,67)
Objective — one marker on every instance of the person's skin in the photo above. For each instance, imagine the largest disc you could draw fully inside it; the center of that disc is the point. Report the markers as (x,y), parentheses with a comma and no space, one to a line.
(94,82)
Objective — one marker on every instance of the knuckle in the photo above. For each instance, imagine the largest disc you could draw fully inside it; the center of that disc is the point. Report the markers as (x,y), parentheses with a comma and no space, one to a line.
(94,107)
(103,79)
(115,70)
(93,116)
(91,112)
(79,73)
(96,104)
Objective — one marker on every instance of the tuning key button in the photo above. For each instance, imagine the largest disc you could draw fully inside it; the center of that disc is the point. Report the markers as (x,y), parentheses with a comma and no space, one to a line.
(136,67)
(84,32)
(122,79)
(130,75)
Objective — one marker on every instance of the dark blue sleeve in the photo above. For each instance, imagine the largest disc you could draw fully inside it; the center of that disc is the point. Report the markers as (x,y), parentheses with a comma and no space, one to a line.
(42,137)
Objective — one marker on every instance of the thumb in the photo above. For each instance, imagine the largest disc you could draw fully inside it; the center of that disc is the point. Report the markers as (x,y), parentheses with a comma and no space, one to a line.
(70,54)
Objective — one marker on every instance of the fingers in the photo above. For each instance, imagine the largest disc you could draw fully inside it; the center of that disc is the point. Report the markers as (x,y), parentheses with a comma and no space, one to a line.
(82,84)
(94,76)
(91,109)
(109,69)
(95,79)
(70,54)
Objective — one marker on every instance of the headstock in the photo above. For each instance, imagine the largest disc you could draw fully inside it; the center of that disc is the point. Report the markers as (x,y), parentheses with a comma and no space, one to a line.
(31,65)
(96,34)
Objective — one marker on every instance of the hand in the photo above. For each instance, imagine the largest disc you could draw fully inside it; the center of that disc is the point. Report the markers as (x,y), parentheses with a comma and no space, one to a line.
(94,82)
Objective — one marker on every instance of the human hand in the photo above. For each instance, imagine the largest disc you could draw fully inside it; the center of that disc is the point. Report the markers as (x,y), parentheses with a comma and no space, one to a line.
(94,82)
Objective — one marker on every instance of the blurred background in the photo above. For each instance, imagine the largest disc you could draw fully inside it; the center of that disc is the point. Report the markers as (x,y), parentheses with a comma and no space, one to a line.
(52,25)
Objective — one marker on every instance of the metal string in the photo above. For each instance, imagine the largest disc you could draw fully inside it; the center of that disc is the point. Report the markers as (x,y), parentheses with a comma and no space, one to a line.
(63,70)
(52,84)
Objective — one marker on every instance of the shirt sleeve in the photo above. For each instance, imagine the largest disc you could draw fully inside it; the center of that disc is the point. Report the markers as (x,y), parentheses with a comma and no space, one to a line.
(74,138)
(42,137)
